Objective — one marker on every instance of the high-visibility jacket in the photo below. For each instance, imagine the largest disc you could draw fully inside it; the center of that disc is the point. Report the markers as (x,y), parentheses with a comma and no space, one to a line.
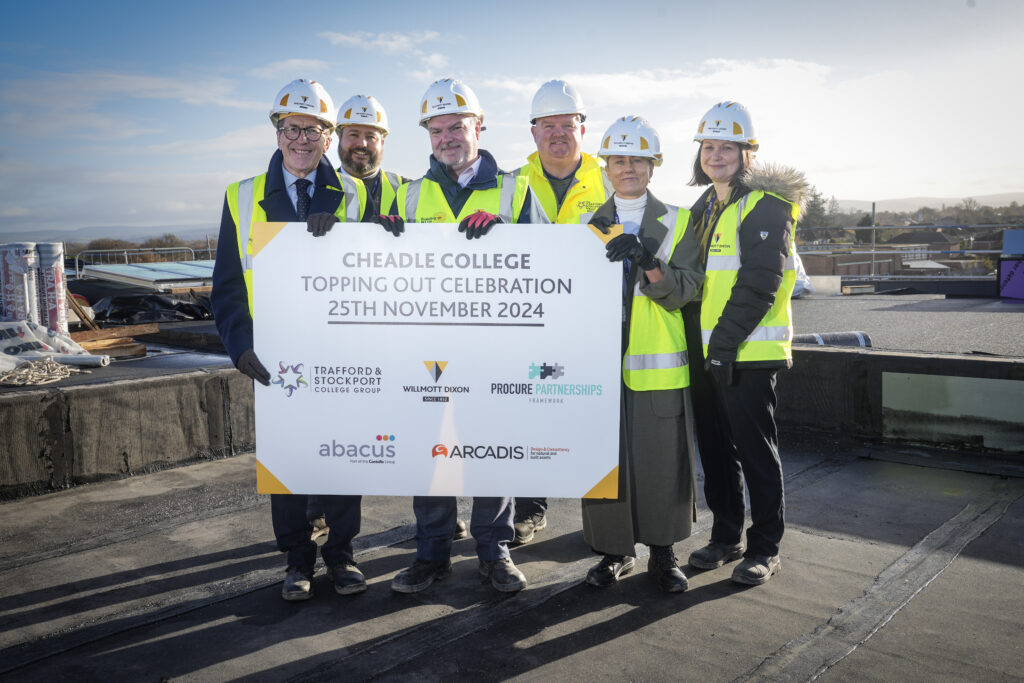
(772,339)
(389,184)
(589,190)
(244,204)
(423,201)
(656,355)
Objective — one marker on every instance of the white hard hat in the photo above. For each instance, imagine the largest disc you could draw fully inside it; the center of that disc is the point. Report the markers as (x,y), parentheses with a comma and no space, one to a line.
(303,97)
(554,98)
(727,121)
(631,136)
(449,96)
(364,110)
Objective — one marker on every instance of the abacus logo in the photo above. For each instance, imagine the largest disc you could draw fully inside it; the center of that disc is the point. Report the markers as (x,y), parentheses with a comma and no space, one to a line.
(383,448)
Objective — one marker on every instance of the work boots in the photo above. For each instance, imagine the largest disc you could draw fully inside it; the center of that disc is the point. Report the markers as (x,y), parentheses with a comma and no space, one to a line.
(664,570)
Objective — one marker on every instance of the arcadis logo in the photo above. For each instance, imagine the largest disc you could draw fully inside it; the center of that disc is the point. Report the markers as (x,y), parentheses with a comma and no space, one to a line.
(482,452)
(289,377)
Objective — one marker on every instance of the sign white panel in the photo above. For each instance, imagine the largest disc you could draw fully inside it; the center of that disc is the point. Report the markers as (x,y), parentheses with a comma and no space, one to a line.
(434,365)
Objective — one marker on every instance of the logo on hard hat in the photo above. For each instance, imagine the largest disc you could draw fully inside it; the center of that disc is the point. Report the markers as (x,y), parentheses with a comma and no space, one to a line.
(304,98)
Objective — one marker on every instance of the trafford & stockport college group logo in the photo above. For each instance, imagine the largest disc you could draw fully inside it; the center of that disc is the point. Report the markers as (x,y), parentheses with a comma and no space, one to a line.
(289,377)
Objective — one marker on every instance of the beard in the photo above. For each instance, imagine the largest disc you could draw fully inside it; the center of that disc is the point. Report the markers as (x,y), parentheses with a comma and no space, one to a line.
(357,167)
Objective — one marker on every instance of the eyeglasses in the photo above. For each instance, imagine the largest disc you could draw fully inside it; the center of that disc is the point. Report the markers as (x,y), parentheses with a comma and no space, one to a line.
(312,133)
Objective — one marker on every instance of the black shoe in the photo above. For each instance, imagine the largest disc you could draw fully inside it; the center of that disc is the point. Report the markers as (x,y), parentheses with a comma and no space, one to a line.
(503,575)
(610,569)
(348,580)
(298,584)
(753,571)
(420,575)
(663,568)
(714,555)
(527,526)
(460,530)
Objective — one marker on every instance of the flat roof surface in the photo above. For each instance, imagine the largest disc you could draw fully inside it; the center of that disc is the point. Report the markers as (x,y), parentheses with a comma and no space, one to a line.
(889,572)
(929,323)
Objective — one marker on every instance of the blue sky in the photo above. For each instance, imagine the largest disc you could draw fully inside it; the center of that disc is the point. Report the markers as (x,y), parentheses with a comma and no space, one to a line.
(139,114)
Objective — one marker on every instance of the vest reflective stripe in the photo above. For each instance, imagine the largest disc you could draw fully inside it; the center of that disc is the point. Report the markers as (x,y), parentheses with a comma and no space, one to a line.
(245,218)
(656,361)
(389,185)
(355,199)
(590,189)
(772,338)
(761,333)
(656,356)
(423,201)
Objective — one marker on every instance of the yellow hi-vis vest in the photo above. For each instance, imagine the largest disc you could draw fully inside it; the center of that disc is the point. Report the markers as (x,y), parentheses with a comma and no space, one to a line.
(244,199)
(656,355)
(772,338)
(423,201)
(590,189)
(389,184)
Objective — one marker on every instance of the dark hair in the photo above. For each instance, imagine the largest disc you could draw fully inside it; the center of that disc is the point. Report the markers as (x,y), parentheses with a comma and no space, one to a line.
(701,178)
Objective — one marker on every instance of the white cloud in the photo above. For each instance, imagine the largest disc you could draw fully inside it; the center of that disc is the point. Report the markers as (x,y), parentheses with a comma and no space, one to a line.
(395,44)
(387,43)
(290,68)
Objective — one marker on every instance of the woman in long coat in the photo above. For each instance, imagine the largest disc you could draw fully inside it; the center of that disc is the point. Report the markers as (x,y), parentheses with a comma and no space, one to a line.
(661,273)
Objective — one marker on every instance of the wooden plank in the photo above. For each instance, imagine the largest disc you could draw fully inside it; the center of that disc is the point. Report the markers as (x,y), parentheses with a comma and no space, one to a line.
(115,332)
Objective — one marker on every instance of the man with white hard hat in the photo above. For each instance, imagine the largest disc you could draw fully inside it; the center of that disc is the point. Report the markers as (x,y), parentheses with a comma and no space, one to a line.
(566,185)
(464,186)
(362,129)
(299,184)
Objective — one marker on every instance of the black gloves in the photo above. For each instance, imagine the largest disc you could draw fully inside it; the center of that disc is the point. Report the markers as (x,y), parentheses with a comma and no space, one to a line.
(629,246)
(248,364)
(721,371)
(478,224)
(602,223)
(393,224)
(319,224)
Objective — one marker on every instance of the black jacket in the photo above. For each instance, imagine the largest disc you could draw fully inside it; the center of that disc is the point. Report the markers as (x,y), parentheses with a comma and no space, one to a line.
(764,239)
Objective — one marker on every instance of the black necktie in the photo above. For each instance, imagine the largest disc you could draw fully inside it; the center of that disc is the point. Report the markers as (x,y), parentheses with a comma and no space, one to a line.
(302,199)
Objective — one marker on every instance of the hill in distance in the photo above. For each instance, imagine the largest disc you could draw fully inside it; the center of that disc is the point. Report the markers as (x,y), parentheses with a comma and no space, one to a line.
(915,203)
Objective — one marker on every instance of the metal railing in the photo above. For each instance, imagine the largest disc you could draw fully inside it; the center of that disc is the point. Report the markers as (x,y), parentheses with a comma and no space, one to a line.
(138,255)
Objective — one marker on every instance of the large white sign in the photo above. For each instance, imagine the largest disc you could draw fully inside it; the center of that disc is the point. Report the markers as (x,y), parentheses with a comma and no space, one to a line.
(434,365)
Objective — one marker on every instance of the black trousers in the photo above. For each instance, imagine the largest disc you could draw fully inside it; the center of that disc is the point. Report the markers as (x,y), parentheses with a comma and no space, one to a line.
(738,442)
(292,528)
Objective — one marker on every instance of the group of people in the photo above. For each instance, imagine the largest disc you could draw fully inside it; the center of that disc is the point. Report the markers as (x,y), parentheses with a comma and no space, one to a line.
(705,303)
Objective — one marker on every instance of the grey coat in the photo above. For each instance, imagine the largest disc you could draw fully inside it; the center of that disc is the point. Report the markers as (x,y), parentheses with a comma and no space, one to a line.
(656,504)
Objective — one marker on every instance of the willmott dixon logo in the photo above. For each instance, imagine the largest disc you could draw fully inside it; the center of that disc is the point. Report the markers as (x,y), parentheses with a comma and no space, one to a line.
(289,377)
(435,368)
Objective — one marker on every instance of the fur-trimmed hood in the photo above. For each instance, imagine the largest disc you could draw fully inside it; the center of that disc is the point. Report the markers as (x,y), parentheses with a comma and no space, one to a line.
(781,180)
